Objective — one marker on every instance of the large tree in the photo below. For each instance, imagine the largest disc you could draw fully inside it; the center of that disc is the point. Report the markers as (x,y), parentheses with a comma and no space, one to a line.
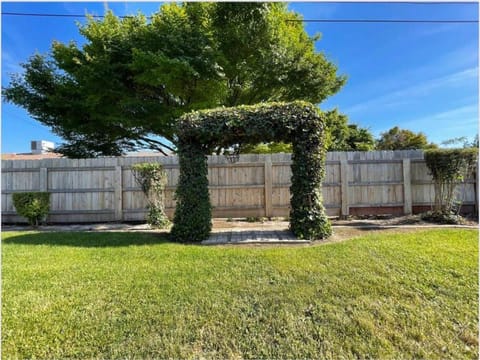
(403,139)
(124,88)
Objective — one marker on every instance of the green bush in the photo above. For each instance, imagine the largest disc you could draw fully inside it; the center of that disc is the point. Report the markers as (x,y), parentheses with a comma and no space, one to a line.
(203,132)
(152,179)
(439,217)
(34,206)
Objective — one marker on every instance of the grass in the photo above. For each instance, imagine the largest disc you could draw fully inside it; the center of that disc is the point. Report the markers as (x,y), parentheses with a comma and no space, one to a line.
(126,295)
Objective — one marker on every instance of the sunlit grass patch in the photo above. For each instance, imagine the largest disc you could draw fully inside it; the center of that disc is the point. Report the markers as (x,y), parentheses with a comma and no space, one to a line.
(118,295)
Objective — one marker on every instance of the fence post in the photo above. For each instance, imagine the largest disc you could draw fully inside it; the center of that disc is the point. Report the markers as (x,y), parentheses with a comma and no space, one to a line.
(475,189)
(407,187)
(344,189)
(118,193)
(268,185)
(43,179)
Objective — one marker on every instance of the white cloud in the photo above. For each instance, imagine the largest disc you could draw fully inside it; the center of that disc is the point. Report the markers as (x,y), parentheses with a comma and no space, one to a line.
(437,29)
(70,8)
(412,93)
(461,58)
(460,116)
(314,10)
(10,64)
(447,124)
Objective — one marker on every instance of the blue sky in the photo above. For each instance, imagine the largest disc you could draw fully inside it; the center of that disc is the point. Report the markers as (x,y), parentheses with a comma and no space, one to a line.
(422,77)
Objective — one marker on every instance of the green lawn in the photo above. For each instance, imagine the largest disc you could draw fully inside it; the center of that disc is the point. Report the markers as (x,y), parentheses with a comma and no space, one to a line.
(125,295)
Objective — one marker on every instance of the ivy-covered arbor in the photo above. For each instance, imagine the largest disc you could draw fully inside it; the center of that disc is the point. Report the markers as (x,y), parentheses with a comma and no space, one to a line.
(200,132)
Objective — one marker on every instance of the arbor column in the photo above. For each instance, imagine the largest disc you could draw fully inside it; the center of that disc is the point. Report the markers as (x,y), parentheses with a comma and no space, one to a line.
(308,219)
(193,213)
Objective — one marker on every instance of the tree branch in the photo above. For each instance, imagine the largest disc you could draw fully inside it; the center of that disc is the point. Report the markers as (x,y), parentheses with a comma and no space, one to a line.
(155,144)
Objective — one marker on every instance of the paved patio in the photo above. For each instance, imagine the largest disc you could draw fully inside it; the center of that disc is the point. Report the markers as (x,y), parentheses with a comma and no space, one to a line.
(238,236)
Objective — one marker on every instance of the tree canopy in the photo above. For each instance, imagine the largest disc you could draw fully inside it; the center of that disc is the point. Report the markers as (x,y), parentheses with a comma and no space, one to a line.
(347,137)
(402,139)
(126,86)
(340,136)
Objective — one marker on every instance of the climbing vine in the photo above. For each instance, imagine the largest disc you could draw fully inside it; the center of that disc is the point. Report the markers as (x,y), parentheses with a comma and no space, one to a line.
(152,179)
(193,213)
(202,132)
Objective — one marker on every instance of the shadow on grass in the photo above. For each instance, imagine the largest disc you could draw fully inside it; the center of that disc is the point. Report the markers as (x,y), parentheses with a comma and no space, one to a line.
(367,226)
(88,239)
(358,224)
(374,227)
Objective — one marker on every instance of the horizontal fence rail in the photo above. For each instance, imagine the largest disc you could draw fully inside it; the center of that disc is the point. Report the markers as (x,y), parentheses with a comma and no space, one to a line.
(104,189)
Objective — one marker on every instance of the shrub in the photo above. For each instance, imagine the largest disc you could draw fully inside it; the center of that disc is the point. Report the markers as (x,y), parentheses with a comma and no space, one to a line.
(448,167)
(443,217)
(34,206)
(152,179)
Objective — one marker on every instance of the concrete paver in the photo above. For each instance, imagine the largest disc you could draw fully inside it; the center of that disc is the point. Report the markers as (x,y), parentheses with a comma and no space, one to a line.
(236,236)
(223,236)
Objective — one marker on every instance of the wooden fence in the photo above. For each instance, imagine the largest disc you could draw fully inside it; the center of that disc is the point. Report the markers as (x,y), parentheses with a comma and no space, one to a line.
(103,189)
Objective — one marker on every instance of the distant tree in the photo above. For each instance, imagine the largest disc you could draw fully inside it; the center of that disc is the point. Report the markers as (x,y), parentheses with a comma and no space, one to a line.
(266,148)
(402,139)
(475,142)
(345,136)
(126,86)
(463,141)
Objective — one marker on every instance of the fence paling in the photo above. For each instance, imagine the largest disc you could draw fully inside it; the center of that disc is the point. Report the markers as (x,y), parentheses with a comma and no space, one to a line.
(103,189)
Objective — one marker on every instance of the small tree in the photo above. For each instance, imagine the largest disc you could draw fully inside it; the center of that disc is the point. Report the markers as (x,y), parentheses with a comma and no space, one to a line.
(152,180)
(32,205)
(448,167)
